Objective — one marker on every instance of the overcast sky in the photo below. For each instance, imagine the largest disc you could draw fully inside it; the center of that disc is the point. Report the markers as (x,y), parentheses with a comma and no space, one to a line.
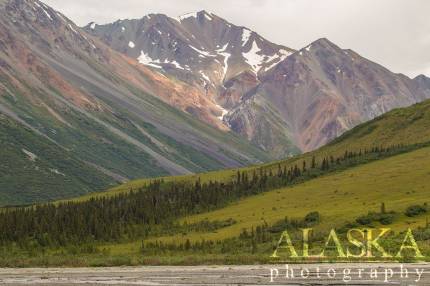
(394,33)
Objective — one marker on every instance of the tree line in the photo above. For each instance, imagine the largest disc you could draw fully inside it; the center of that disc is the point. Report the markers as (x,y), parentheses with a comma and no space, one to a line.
(135,214)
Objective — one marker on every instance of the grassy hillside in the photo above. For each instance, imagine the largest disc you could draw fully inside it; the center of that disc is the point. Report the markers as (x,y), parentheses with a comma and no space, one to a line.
(399,182)
(34,169)
(340,198)
(405,126)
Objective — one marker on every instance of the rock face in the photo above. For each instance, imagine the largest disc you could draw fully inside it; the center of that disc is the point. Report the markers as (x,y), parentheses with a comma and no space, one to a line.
(282,100)
(101,107)
(423,82)
(220,60)
(321,91)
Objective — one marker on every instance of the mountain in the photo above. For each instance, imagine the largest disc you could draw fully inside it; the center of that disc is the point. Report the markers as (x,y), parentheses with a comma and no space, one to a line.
(98,107)
(320,92)
(203,50)
(282,100)
(198,47)
(423,82)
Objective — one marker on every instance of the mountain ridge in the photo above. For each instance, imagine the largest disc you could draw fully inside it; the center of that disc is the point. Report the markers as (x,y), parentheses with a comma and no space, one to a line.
(284,116)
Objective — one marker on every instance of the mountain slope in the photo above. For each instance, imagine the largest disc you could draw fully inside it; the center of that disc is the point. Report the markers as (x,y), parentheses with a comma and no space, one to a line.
(100,105)
(404,126)
(221,60)
(282,100)
(320,92)
(399,181)
(31,164)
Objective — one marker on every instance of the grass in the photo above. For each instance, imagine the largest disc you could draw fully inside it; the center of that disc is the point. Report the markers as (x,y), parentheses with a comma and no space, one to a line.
(399,182)
(340,197)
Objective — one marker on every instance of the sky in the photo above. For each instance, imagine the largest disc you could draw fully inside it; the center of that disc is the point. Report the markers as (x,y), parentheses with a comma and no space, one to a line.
(394,33)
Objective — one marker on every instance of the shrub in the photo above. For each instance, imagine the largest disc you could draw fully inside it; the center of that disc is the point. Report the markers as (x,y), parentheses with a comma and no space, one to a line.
(415,210)
(312,218)
(364,220)
(386,219)
(382,218)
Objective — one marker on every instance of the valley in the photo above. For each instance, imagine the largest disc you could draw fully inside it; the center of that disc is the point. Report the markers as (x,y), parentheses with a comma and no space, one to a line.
(184,141)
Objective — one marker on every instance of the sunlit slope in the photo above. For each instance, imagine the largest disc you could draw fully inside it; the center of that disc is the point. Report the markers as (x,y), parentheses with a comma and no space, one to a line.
(399,182)
(406,126)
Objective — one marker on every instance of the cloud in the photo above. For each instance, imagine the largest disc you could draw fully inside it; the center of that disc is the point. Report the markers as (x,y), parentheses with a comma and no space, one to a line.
(394,33)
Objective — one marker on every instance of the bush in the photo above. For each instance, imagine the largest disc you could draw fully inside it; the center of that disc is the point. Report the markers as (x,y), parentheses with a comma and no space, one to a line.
(415,210)
(364,220)
(312,218)
(386,219)
(382,218)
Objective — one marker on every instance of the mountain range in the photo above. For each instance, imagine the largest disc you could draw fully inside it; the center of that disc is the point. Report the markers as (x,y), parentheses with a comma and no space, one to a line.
(82,109)
(282,100)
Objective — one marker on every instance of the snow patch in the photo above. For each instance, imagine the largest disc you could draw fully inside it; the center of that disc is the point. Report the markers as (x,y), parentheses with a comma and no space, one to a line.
(123,29)
(203,53)
(253,58)
(177,65)
(93,26)
(71,28)
(224,112)
(145,59)
(308,48)
(285,52)
(188,15)
(46,12)
(226,56)
(31,156)
(246,34)
(204,76)
(131,44)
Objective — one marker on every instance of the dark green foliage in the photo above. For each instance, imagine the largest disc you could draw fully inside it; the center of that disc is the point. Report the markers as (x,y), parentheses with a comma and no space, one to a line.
(312,218)
(382,218)
(415,210)
(54,173)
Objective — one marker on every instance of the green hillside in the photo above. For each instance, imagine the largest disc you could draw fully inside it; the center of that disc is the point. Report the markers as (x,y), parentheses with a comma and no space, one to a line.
(406,126)
(339,198)
(34,169)
(399,182)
